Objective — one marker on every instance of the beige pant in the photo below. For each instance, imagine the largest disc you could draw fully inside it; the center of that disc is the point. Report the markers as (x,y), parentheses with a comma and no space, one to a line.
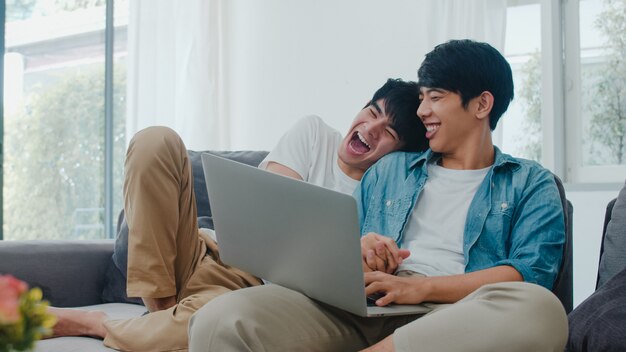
(511,316)
(167,256)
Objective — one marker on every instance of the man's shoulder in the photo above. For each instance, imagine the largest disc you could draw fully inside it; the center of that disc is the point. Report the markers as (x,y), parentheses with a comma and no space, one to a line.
(525,175)
(315,122)
(521,166)
(400,158)
(394,165)
(311,130)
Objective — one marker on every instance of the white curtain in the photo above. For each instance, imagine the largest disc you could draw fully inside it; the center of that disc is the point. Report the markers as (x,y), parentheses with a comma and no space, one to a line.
(286,59)
(481,20)
(174,70)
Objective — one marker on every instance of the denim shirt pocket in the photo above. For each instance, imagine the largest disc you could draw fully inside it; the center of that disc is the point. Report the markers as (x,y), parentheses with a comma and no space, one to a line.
(498,224)
(387,216)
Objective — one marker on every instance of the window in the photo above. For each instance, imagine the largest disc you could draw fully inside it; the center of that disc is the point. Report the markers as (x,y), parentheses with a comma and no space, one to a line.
(572,119)
(596,90)
(522,131)
(57,135)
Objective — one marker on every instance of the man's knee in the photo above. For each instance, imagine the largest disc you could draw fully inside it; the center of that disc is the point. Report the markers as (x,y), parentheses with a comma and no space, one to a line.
(155,136)
(154,143)
(511,316)
(220,324)
(538,318)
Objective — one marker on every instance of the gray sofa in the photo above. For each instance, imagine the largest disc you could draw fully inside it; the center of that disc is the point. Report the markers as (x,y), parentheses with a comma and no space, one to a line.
(87,273)
(599,323)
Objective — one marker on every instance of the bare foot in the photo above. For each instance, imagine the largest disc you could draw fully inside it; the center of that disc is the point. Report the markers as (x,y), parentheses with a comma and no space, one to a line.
(76,322)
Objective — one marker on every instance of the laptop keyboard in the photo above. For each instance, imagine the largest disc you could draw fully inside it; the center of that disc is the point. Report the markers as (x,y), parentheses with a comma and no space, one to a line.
(371,299)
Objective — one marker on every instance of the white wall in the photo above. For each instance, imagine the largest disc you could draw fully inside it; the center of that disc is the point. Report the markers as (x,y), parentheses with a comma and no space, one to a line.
(334,54)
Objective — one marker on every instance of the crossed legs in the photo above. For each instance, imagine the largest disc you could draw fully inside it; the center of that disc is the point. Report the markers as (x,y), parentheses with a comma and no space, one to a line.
(499,317)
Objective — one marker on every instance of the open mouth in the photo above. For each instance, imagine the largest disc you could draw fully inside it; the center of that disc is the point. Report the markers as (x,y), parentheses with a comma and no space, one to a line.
(358,143)
(431,128)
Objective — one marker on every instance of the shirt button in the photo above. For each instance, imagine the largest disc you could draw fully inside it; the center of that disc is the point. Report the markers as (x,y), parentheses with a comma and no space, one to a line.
(504,206)
(388,203)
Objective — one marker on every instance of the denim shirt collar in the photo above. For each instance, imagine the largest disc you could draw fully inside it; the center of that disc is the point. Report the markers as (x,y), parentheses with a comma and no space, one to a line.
(501,160)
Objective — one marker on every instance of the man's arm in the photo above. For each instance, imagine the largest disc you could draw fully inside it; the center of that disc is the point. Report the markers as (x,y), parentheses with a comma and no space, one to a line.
(537,237)
(282,170)
(294,152)
(439,289)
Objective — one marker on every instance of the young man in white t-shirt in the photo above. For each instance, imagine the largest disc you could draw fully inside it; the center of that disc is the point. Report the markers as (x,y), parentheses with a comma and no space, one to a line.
(315,152)
(174,267)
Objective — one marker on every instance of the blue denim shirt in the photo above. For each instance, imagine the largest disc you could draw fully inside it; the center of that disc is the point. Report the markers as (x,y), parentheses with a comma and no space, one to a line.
(515,218)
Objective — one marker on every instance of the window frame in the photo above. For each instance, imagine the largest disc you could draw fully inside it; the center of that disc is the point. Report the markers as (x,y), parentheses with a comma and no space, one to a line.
(561,109)
(576,171)
(2,48)
(552,96)
(109,218)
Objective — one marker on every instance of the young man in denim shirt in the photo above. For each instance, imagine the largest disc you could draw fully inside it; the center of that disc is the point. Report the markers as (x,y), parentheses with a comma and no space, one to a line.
(481,236)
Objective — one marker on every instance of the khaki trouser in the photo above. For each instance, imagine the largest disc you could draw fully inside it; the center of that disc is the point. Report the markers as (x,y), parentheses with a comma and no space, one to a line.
(167,255)
(511,316)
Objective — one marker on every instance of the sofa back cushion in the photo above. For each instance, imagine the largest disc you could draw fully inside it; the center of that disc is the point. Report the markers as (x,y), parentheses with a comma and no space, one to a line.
(115,289)
(613,252)
(597,324)
(564,285)
(70,273)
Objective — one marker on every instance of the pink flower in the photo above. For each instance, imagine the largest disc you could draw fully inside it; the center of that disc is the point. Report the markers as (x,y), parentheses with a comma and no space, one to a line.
(10,291)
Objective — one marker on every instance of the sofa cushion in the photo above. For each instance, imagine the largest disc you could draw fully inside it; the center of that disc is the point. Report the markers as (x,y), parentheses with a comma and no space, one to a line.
(82,344)
(597,324)
(115,289)
(613,258)
(56,265)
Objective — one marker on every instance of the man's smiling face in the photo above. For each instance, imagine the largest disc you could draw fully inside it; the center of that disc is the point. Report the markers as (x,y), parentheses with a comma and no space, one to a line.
(447,121)
(370,137)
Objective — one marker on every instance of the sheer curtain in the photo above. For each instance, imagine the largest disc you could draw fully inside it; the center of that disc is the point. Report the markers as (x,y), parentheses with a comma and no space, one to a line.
(237,73)
(482,20)
(175,70)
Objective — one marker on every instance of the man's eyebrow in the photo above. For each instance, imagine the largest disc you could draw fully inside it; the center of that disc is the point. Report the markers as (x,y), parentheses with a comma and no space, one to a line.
(377,107)
(429,90)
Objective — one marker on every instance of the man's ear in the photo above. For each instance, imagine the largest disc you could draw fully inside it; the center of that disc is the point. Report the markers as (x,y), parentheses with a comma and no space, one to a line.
(485,104)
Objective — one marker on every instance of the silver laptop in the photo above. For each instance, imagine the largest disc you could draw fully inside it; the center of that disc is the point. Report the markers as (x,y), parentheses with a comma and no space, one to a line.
(291,233)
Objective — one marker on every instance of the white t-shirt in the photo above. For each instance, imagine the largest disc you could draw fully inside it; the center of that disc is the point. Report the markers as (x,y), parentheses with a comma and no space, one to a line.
(435,228)
(310,148)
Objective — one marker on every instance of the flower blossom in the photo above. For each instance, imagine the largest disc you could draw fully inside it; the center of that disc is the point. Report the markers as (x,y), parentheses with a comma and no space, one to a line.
(10,291)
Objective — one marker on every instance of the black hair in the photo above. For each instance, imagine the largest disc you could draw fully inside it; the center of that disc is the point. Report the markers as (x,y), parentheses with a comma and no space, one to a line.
(401,102)
(469,68)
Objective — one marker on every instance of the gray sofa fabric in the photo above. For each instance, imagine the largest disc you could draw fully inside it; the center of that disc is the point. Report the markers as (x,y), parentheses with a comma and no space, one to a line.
(564,284)
(613,258)
(70,273)
(599,323)
(88,344)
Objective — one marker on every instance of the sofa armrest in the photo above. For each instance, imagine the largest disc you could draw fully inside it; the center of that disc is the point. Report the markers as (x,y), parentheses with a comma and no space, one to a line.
(70,273)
